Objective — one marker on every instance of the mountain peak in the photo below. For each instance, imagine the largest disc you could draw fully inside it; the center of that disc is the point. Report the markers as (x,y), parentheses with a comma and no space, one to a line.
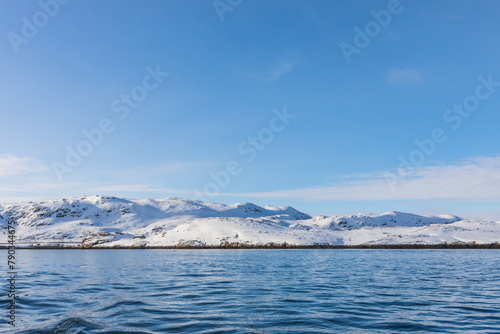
(112,221)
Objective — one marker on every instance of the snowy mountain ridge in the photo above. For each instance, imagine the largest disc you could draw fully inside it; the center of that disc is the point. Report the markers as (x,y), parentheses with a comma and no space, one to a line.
(103,221)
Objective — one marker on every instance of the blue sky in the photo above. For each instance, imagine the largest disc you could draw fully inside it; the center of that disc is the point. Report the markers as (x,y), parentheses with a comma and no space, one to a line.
(315,104)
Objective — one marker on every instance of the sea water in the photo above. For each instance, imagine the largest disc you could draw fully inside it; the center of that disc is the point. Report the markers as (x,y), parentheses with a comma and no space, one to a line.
(255,291)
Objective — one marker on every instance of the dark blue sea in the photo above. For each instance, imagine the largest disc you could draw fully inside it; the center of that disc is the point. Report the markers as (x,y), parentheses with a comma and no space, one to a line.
(255,291)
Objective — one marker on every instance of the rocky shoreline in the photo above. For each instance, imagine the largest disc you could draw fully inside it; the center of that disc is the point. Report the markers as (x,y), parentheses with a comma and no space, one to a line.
(282,246)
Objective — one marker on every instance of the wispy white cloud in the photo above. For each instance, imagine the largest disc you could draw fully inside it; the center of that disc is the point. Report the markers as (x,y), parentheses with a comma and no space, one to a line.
(11,165)
(178,166)
(280,69)
(135,182)
(38,187)
(137,188)
(474,179)
(14,199)
(404,75)
(273,72)
(390,34)
(44,191)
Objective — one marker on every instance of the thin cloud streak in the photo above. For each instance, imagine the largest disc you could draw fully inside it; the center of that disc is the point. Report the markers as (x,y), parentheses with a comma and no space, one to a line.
(11,165)
(13,199)
(139,188)
(38,187)
(179,166)
(474,179)
(280,70)
(272,73)
(404,75)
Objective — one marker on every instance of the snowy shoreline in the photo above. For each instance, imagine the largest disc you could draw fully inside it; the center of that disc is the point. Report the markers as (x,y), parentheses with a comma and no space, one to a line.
(102,222)
(277,247)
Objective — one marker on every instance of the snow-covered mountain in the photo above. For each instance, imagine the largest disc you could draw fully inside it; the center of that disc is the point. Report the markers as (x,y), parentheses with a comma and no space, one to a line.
(102,221)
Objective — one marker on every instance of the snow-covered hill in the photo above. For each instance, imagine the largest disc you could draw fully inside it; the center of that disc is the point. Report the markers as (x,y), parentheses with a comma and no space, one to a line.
(115,222)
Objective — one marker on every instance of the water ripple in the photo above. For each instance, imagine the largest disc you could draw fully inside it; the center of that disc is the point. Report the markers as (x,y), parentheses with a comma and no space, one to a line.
(259,291)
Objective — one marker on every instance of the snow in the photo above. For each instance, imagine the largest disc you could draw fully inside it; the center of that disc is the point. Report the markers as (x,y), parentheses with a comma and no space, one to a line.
(116,222)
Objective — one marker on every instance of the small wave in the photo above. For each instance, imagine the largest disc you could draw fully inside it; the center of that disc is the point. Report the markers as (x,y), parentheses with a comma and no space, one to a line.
(123,303)
(66,326)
